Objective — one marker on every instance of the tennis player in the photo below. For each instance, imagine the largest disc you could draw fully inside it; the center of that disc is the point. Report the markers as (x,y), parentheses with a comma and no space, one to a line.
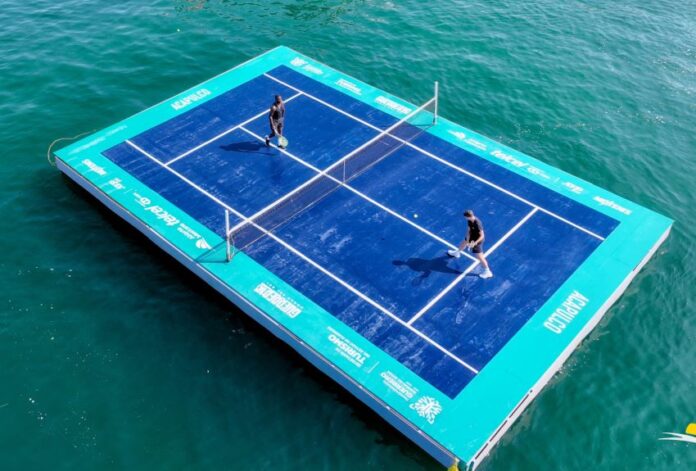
(474,242)
(276,117)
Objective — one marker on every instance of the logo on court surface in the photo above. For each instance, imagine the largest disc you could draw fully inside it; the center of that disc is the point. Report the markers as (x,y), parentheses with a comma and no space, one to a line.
(689,436)
(458,134)
(278,299)
(193,97)
(611,204)
(94,167)
(203,244)
(349,86)
(392,105)
(299,62)
(427,407)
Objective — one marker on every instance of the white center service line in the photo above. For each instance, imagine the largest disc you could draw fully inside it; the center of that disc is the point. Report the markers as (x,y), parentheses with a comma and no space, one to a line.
(441,160)
(307,259)
(470,267)
(224,133)
(361,194)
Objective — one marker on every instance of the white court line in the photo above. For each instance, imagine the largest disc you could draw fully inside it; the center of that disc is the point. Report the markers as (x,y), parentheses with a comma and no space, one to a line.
(308,260)
(441,160)
(471,267)
(361,194)
(224,133)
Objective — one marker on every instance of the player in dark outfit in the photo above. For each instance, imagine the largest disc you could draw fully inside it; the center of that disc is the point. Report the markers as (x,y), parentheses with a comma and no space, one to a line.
(474,241)
(276,117)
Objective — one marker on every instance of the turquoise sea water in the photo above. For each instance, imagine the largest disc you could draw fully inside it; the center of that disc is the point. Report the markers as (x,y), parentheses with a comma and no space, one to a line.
(112,357)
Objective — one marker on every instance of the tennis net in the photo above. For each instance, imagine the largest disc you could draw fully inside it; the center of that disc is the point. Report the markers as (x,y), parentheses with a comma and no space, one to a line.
(327,181)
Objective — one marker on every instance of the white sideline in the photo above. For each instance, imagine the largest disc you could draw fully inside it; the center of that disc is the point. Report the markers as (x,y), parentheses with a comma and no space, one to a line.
(471,267)
(440,159)
(224,133)
(307,259)
(360,194)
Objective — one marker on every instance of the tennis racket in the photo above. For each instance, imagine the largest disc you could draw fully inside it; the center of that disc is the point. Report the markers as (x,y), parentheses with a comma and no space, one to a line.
(282,141)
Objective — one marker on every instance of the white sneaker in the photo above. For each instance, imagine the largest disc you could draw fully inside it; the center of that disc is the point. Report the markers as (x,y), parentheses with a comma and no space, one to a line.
(486,274)
(454,253)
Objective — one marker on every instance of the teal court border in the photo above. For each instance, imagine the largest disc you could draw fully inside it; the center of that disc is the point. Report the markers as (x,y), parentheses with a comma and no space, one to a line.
(459,431)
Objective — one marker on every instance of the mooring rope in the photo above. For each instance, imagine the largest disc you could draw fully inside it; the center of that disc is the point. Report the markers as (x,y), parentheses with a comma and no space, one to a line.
(48,152)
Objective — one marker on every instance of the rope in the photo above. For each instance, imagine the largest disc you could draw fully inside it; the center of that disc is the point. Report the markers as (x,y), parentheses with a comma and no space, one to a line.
(48,152)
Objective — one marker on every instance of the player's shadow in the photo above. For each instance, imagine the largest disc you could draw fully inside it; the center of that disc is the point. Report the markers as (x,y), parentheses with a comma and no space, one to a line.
(246,147)
(426,266)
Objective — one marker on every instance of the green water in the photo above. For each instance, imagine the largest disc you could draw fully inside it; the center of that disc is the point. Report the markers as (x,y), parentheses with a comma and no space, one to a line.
(113,358)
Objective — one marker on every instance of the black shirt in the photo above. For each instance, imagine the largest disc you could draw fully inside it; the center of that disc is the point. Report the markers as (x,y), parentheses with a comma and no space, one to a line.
(475,229)
(278,113)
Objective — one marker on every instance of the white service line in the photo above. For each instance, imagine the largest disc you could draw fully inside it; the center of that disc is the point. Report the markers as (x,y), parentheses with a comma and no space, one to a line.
(440,159)
(224,133)
(308,260)
(471,267)
(361,194)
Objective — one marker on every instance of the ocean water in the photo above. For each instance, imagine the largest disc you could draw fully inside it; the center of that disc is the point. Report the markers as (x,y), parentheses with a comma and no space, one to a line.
(111,357)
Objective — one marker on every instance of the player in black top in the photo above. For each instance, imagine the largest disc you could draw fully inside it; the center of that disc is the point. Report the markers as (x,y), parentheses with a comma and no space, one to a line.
(276,117)
(474,242)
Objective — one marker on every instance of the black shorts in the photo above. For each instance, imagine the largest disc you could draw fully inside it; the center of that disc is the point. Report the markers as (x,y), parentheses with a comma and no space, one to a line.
(478,248)
(279,126)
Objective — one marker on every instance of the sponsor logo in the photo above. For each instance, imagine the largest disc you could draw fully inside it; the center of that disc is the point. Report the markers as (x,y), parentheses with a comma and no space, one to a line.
(515,162)
(611,204)
(471,141)
(193,97)
(349,86)
(298,62)
(689,436)
(188,232)
(458,134)
(91,143)
(94,167)
(508,158)
(313,70)
(163,215)
(392,105)
(141,200)
(116,130)
(538,172)
(573,187)
(116,183)
(477,144)
(99,139)
(399,386)
(428,408)
(278,299)
(566,312)
(203,244)
(347,349)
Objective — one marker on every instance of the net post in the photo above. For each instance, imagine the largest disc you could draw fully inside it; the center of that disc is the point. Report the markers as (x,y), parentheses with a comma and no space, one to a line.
(437,99)
(228,248)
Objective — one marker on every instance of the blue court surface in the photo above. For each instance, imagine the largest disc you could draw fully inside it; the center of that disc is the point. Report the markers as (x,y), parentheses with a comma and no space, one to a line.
(338,244)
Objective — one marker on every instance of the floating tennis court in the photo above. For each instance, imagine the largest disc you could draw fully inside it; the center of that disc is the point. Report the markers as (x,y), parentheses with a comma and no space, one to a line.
(337,244)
